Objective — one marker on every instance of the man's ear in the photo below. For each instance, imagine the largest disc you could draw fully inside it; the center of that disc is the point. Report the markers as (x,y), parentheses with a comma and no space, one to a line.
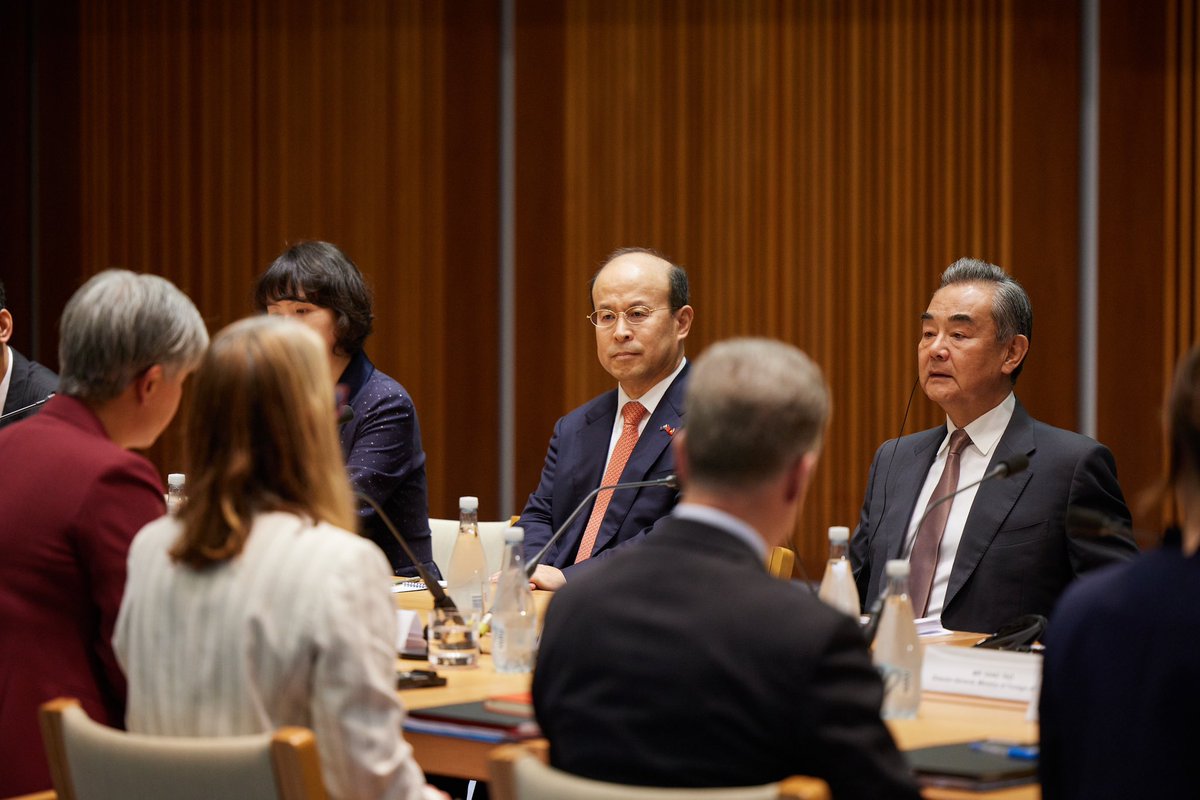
(1017,349)
(679,442)
(683,321)
(799,476)
(149,382)
(6,325)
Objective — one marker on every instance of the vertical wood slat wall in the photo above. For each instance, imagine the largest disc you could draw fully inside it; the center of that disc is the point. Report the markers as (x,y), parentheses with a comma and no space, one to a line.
(814,165)
(213,134)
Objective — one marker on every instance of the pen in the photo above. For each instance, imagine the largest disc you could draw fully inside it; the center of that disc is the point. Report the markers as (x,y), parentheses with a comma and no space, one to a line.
(1020,752)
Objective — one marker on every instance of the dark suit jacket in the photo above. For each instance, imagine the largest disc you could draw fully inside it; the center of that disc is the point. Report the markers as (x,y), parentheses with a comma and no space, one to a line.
(30,382)
(1016,554)
(1119,707)
(382,447)
(575,465)
(70,503)
(683,663)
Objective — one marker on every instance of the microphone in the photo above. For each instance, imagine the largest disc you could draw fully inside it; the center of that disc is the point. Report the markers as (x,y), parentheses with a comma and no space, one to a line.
(1006,468)
(670,481)
(440,598)
(345,414)
(29,407)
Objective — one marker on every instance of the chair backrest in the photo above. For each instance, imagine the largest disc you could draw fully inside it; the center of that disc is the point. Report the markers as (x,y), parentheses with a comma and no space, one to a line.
(519,772)
(491,536)
(443,532)
(780,562)
(90,761)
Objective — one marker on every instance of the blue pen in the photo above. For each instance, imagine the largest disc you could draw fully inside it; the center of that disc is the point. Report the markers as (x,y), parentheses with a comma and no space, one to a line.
(1019,752)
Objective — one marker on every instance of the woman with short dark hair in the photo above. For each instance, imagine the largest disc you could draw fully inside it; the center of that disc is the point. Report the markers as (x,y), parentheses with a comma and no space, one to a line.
(318,285)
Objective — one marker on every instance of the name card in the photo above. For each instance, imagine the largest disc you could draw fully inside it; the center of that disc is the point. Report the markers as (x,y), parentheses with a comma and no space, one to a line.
(410,633)
(978,672)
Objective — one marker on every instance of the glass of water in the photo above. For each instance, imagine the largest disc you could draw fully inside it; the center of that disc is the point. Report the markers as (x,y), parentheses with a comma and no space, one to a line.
(454,637)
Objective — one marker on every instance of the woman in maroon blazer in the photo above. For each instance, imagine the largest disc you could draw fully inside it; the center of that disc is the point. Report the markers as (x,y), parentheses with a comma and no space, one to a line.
(72,497)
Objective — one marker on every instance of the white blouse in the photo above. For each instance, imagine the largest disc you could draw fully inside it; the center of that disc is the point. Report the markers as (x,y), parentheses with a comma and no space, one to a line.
(297,630)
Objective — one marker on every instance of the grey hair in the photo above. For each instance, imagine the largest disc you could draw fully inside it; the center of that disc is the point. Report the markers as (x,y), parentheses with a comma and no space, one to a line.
(678,291)
(753,407)
(1011,310)
(118,325)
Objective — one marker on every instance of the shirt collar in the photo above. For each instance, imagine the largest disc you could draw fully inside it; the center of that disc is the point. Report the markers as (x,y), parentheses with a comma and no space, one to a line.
(986,430)
(723,521)
(651,398)
(7,380)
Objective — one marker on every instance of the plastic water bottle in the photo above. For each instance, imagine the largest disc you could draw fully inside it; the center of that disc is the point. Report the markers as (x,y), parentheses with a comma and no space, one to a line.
(467,578)
(514,617)
(176,494)
(837,587)
(897,653)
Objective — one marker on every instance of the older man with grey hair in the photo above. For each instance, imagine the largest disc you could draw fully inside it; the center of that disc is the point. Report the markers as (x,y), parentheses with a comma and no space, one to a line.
(683,662)
(72,498)
(1002,549)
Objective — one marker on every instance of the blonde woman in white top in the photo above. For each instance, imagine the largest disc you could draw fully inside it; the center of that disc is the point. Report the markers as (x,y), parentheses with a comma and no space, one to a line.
(255,607)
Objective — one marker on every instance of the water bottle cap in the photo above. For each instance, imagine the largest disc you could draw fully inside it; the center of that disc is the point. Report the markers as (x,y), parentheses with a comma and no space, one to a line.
(468,504)
(175,479)
(514,535)
(839,534)
(897,568)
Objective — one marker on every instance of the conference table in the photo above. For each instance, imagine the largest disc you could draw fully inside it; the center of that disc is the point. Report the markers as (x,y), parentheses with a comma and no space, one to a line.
(942,719)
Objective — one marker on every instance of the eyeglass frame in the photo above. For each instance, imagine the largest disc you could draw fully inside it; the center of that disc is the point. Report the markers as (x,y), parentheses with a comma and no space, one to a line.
(622,315)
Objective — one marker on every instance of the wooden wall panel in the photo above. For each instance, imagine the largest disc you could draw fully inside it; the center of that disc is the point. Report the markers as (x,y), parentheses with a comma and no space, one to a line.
(1142,154)
(814,165)
(213,134)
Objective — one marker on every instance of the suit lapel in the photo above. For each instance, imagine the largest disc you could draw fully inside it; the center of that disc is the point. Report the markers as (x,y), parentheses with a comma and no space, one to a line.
(906,480)
(649,449)
(993,502)
(591,442)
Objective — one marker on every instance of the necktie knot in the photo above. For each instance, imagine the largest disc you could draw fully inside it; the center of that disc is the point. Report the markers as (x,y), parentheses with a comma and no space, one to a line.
(633,412)
(959,441)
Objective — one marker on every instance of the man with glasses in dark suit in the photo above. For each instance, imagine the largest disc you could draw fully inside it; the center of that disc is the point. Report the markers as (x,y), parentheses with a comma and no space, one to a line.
(642,318)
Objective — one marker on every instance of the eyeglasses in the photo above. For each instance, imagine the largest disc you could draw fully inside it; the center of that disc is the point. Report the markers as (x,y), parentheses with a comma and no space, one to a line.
(635,315)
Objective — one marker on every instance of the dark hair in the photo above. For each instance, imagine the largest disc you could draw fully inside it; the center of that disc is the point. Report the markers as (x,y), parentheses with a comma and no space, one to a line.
(321,274)
(1011,310)
(677,279)
(3,299)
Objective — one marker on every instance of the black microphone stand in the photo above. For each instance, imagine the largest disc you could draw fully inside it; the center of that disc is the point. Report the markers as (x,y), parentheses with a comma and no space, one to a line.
(670,481)
(29,407)
(1009,466)
(440,598)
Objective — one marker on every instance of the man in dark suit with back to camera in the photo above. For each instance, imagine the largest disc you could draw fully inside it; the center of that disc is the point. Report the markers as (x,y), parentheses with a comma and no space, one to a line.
(1004,549)
(683,662)
(22,382)
(641,314)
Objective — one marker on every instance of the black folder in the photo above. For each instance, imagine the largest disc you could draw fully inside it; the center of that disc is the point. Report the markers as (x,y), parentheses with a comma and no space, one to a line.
(963,766)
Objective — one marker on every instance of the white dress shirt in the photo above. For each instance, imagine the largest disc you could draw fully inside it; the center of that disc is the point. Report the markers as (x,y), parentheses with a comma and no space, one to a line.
(6,381)
(985,433)
(297,630)
(649,401)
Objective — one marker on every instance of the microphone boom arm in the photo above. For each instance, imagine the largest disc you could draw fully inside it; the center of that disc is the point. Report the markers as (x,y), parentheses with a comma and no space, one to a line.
(670,481)
(440,598)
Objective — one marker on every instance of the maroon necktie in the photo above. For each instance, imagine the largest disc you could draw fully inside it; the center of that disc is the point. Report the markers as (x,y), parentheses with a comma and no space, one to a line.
(923,560)
(632,414)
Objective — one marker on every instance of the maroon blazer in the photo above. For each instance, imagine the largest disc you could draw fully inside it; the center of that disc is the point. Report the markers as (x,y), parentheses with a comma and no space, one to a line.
(71,501)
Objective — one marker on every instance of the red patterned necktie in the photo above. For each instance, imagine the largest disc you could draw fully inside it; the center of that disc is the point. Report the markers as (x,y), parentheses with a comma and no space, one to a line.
(632,414)
(923,560)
